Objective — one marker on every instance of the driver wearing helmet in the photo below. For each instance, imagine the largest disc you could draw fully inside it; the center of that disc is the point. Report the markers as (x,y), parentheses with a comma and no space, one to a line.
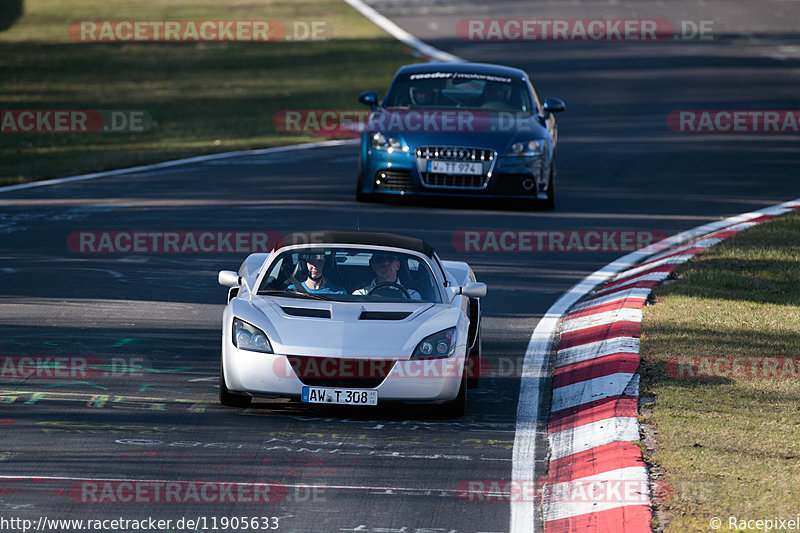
(385,267)
(316,283)
(421,95)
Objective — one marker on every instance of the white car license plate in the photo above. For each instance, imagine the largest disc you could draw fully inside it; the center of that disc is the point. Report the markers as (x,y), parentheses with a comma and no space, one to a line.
(455,167)
(340,396)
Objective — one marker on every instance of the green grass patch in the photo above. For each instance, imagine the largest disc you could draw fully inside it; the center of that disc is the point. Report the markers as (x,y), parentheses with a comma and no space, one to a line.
(203,97)
(727,438)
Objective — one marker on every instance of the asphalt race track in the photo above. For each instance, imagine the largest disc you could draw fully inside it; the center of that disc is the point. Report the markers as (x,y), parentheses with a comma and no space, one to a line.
(142,419)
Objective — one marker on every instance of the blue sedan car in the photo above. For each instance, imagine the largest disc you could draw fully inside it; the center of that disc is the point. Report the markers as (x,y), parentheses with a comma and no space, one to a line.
(459,129)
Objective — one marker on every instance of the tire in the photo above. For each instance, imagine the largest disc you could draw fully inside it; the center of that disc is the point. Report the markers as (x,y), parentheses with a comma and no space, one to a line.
(226,397)
(458,407)
(550,203)
(362,196)
(475,358)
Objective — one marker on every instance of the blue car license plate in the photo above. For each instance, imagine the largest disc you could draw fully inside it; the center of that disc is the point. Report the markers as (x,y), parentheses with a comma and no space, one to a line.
(455,167)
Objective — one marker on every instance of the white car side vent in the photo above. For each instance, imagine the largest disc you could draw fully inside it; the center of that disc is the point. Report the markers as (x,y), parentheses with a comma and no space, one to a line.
(307,312)
(384,315)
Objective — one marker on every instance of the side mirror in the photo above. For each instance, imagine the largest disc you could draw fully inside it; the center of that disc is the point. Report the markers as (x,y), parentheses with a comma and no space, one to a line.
(228,278)
(474,289)
(554,105)
(369,98)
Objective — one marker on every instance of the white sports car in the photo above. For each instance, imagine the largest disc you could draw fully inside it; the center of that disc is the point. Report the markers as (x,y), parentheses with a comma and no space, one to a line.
(351,318)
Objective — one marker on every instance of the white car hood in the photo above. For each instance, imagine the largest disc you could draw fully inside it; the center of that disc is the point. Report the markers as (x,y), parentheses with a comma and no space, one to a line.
(346,333)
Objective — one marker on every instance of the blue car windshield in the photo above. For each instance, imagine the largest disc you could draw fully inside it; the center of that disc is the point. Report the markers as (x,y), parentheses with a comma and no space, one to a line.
(460,90)
(351,275)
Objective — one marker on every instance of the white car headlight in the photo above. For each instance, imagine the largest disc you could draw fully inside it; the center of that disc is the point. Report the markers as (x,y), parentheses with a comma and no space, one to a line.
(436,346)
(248,337)
(384,143)
(528,149)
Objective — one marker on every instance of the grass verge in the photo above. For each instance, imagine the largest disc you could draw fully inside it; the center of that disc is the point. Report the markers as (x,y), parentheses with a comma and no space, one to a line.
(203,97)
(726,416)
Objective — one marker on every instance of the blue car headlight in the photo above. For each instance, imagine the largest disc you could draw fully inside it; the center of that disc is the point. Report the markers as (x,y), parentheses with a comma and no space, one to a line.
(385,143)
(248,337)
(528,149)
(436,346)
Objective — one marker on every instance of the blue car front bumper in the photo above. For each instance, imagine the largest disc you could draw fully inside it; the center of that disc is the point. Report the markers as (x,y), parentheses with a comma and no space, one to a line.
(408,172)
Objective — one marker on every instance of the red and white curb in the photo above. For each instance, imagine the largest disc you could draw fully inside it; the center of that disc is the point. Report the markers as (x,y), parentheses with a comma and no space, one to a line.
(593,460)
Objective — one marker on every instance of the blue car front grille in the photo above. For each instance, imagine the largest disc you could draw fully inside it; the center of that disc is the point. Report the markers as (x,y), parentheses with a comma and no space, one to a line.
(456,153)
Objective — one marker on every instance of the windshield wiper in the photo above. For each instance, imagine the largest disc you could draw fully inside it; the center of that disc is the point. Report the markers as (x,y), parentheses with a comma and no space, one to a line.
(289,293)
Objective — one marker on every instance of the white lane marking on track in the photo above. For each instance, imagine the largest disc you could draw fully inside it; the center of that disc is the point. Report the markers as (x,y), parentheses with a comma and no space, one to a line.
(400,34)
(176,162)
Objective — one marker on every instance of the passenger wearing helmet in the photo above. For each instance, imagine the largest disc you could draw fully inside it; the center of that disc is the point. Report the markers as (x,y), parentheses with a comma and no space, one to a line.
(316,283)
(496,96)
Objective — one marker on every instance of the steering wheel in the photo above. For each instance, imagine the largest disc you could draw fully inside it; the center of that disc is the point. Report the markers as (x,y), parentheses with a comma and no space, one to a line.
(392,284)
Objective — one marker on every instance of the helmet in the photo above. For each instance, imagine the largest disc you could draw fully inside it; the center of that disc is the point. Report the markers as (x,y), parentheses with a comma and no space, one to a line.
(423,95)
(382,257)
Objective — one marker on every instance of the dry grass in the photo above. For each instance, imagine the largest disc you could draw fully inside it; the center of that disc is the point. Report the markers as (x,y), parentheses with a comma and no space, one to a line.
(728,444)
(203,97)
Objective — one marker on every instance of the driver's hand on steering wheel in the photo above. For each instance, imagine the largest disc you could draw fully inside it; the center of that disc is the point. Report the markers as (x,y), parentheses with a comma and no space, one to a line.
(390,285)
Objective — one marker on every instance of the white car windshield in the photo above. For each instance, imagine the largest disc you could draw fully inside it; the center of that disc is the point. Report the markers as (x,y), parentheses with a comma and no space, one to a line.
(350,275)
